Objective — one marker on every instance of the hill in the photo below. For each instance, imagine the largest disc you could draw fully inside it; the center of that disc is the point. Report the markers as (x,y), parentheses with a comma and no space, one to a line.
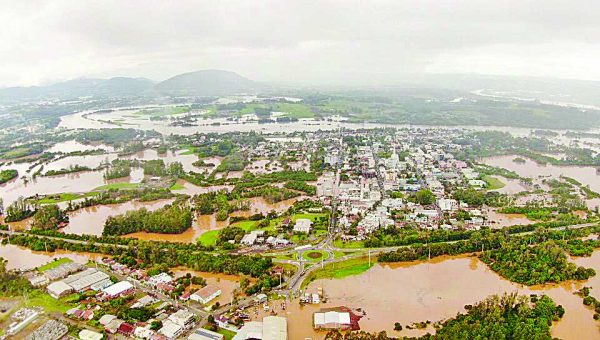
(206,83)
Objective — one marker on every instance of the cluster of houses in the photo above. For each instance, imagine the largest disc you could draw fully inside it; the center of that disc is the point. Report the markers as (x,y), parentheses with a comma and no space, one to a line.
(409,164)
(172,325)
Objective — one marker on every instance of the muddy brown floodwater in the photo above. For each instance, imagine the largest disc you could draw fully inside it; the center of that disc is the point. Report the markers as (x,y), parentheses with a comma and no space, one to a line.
(586,175)
(25,259)
(260,205)
(436,290)
(90,220)
(204,223)
(227,283)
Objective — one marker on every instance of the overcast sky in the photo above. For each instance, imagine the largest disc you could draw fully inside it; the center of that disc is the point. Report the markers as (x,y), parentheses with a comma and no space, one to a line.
(297,41)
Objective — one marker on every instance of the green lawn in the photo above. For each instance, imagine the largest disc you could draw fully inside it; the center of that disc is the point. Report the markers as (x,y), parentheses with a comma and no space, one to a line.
(54,264)
(120,185)
(338,270)
(337,253)
(50,304)
(299,238)
(177,186)
(311,216)
(348,244)
(209,238)
(285,256)
(227,334)
(493,183)
(246,225)
(295,110)
(64,197)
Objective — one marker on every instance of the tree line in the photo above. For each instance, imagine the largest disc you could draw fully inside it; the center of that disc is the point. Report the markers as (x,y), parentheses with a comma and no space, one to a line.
(171,219)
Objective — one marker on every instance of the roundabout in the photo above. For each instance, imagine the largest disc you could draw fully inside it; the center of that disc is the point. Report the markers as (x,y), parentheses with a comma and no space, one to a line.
(314,255)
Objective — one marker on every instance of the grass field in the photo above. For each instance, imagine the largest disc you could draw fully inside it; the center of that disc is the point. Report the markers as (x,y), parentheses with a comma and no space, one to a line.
(493,183)
(295,110)
(348,244)
(54,264)
(64,197)
(50,304)
(227,334)
(311,216)
(209,238)
(177,186)
(121,185)
(246,225)
(338,270)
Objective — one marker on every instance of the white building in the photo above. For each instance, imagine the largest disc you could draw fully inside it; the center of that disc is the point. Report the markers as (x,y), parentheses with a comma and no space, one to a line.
(86,334)
(118,288)
(170,329)
(206,294)
(331,320)
(182,317)
(447,204)
(271,328)
(302,225)
(58,289)
(160,278)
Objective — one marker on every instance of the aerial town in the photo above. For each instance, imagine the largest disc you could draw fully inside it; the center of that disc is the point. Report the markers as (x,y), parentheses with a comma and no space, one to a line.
(299,170)
(309,205)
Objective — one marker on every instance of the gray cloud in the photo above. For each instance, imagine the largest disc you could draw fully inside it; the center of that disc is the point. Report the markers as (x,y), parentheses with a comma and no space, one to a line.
(301,40)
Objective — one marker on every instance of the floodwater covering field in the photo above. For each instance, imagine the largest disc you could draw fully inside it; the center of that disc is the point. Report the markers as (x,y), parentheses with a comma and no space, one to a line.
(436,290)
(587,175)
(24,259)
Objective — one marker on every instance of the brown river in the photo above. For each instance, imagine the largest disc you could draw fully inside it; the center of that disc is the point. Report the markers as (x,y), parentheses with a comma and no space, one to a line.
(435,290)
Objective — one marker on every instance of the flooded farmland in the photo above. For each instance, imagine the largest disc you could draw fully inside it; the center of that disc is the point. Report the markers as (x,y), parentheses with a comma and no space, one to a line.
(437,290)
(586,175)
(24,259)
(90,220)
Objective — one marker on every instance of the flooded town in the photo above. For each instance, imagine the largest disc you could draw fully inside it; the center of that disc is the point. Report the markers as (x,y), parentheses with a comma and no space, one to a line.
(150,191)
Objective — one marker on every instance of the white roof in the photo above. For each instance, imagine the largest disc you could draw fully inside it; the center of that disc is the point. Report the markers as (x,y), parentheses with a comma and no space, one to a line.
(118,288)
(86,334)
(85,279)
(181,317)
(169,329)
(58,287)
(274,328)
(341,318)
(250,330)
(106,319)
(161,278)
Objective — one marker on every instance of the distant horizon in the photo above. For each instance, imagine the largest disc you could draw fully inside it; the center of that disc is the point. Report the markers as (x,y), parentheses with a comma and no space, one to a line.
(333,82)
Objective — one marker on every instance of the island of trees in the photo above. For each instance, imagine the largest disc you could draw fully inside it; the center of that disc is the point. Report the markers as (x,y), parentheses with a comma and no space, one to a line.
(171,219)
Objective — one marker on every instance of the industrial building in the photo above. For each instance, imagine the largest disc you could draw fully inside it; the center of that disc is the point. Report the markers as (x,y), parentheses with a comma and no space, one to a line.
(332,320)
(271,328)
